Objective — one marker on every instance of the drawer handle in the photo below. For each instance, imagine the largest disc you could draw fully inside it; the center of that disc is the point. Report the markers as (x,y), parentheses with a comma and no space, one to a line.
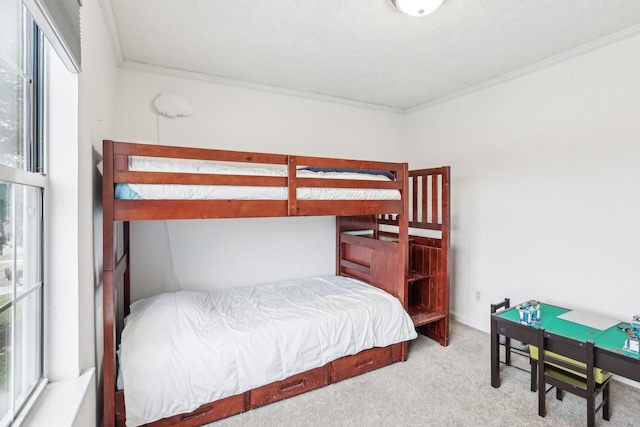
(361,363)
(291,385)
(193,415)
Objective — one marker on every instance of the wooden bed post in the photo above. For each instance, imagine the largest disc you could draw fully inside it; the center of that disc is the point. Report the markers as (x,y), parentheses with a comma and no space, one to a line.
(292,186)
(403,242)
(127,288)
(108,288)
(446,223)
(403,233)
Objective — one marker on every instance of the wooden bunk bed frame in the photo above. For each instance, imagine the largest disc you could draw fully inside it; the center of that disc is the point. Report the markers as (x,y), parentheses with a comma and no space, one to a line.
(373,244)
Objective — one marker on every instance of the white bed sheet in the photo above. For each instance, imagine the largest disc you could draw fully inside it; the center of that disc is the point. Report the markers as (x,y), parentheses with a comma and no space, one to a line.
(181,350)
(233,192)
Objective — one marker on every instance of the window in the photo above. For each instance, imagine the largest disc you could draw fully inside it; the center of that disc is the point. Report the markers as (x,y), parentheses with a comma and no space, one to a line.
(22,184)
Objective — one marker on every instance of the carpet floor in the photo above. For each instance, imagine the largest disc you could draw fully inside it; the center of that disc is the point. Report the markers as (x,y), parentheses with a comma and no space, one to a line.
(438,386)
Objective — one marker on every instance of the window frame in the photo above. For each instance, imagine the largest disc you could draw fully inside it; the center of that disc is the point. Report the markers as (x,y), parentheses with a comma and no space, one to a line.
(32,175)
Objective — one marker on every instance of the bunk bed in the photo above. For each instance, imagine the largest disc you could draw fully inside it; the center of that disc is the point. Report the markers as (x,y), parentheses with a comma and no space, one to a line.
(391,232)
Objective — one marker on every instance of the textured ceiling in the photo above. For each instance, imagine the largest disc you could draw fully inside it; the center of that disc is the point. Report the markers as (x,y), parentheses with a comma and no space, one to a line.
(361,50)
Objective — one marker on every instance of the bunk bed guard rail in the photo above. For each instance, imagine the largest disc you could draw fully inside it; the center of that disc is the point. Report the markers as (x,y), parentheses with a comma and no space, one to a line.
(117,156)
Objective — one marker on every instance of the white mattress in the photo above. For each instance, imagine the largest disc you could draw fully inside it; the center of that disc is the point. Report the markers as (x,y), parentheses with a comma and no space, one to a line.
(232,192)
(181,350)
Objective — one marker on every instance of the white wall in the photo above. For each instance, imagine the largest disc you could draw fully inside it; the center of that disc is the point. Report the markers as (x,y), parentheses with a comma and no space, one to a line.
(221,253)
(97,121)
(545,185)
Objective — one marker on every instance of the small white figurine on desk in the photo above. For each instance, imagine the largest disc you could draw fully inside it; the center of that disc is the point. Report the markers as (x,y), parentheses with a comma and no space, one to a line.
(633,342)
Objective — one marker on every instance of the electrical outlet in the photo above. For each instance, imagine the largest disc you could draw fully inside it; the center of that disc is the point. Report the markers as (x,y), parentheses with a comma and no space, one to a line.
(477,295)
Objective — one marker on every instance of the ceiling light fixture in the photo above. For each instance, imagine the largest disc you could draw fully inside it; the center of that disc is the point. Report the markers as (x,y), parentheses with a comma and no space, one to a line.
(417,7)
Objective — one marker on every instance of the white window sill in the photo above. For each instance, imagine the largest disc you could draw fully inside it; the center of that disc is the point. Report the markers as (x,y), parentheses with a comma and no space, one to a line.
(63,403)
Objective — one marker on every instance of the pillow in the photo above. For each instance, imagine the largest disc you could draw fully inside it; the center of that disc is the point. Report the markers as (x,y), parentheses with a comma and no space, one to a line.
(388,174)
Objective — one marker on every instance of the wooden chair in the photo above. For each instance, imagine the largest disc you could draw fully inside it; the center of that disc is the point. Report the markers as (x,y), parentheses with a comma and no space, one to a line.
(515,346)
(568,365)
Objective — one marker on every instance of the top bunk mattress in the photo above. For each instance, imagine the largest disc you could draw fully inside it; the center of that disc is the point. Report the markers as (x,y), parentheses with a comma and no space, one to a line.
(181,350)
(133,191)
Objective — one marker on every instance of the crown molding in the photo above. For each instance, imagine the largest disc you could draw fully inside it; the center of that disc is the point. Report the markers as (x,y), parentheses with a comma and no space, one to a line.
(173,72)
(538,66)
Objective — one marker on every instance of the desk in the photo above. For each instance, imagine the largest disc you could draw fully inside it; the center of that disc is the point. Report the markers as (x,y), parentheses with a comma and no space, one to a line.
(609,355)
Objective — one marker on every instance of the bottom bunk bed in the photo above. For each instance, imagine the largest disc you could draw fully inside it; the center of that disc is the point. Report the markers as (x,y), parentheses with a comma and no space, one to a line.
(246,347)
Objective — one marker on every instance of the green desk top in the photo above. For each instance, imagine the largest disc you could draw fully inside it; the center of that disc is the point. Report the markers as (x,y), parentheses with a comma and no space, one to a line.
(610,339)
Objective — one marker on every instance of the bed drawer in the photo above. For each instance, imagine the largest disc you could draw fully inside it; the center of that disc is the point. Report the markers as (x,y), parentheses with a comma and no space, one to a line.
(360,363)
(291,386)
(207,413)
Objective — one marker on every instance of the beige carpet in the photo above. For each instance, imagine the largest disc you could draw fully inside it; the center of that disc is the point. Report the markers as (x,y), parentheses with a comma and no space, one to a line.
(438,386)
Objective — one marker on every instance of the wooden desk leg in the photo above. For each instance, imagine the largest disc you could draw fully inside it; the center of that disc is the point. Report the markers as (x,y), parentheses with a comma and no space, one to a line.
(542,388)
(495,354)
(534,374)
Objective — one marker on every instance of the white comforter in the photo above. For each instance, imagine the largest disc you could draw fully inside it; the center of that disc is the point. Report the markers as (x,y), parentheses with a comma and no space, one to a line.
(234,192)
(181,350)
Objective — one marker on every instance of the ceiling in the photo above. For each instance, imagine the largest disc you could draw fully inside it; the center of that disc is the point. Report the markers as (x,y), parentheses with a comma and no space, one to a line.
(362,51)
